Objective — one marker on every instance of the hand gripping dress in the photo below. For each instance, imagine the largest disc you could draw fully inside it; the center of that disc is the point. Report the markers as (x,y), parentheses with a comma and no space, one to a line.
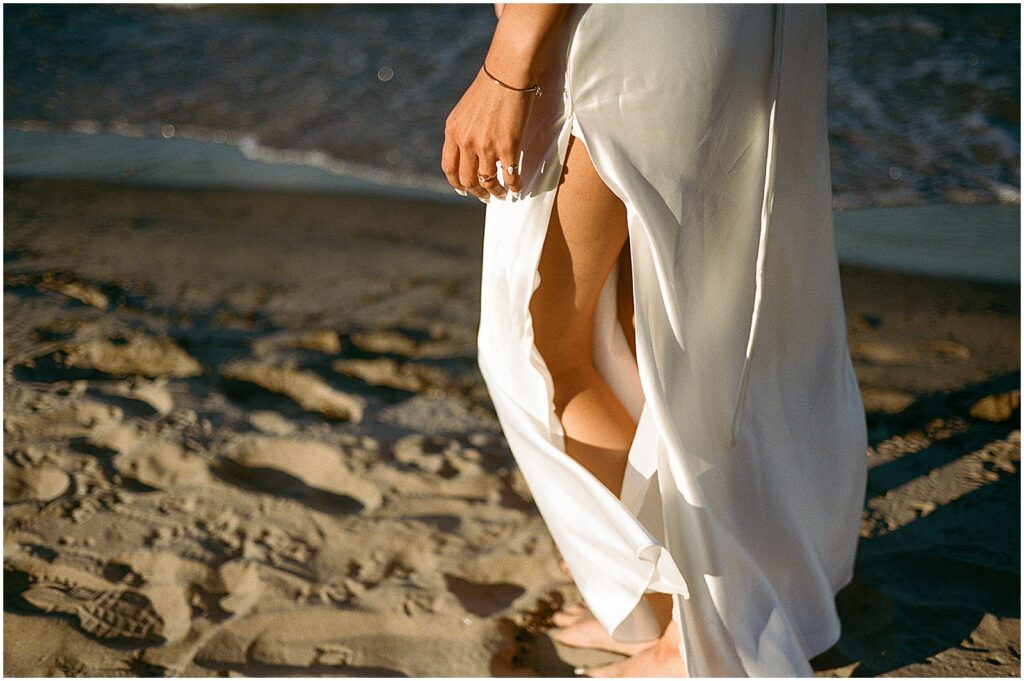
(746,478)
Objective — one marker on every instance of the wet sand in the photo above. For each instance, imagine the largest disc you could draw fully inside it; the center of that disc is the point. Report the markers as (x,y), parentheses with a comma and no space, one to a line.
(245,434)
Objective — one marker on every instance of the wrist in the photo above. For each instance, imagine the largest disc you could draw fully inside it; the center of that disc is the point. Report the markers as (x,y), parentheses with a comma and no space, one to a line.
(524,44)
(534,88)
(514,68)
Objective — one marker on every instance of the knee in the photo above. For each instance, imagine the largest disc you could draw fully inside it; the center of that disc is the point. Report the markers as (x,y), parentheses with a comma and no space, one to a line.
(568,354)
(565,346)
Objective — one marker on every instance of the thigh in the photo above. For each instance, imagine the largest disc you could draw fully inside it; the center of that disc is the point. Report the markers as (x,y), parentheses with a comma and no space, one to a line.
(585,236)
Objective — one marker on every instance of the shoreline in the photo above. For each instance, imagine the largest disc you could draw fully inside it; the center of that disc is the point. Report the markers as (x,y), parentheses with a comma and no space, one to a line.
(185,162)
(978,242)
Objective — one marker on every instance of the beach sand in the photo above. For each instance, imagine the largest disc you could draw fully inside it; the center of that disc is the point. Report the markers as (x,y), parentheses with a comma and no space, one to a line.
(245,435)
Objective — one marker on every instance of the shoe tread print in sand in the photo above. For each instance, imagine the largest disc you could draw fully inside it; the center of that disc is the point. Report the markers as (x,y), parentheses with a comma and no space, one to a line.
(154,611)
(103,609)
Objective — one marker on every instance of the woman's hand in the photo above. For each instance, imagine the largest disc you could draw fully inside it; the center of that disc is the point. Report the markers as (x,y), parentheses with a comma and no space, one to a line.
(483,130)
(486,127)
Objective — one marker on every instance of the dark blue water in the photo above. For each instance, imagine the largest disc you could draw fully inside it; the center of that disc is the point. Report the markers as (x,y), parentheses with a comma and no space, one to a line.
(924,99)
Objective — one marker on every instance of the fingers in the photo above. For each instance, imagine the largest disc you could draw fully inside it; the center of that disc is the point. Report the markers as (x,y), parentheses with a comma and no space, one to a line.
(513,181)
(507,154)
(463,163)
(468,165)
(450,164)
(489,168)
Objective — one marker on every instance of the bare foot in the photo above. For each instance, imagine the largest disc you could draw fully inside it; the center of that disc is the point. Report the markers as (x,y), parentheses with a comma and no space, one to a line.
(660,659)
(655,661)
(578,628)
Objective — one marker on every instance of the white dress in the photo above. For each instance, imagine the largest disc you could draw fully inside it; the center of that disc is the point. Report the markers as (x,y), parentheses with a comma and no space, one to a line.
(746,477)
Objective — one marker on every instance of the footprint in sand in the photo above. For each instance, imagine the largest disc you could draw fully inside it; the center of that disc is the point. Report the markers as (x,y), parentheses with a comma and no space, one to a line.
(83,293)
(304,387)
(52,417)
(437,341)
(271,422)
(104,614)
(62,283)
(359,643)
(315,464)
(103,609)
(153,393)
(33,483)
(138,356)
(885,400)
(242,586)
(386,372)
(151,460)
(387,341)
(882,353)
(438,454)
(426,452)
(483,599)
(996,408)
(323,340)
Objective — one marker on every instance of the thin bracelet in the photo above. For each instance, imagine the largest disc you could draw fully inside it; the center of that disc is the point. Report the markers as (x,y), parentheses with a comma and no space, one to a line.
(533,88)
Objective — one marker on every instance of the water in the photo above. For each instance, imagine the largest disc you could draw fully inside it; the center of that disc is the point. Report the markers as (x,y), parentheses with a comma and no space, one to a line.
(923,99)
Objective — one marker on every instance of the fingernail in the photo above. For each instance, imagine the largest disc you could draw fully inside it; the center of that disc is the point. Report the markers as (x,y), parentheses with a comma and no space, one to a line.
(486,199)
(461,192)
(517,195)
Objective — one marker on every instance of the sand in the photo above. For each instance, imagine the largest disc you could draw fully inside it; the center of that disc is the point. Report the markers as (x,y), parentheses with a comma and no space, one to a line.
(245,434)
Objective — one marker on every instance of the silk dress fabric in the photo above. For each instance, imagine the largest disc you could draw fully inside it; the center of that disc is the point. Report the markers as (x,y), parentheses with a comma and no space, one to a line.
(746,477)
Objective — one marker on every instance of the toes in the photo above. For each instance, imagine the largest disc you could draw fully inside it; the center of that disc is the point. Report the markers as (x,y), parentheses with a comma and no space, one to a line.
(564,621)
(560,636)
(570,615)
(561,619)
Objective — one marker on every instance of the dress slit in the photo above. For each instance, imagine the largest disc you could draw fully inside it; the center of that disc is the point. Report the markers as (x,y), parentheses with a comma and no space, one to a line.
(652,558)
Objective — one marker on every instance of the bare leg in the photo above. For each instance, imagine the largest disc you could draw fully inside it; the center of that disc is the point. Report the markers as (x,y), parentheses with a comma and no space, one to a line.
(584,239)
(586,235)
